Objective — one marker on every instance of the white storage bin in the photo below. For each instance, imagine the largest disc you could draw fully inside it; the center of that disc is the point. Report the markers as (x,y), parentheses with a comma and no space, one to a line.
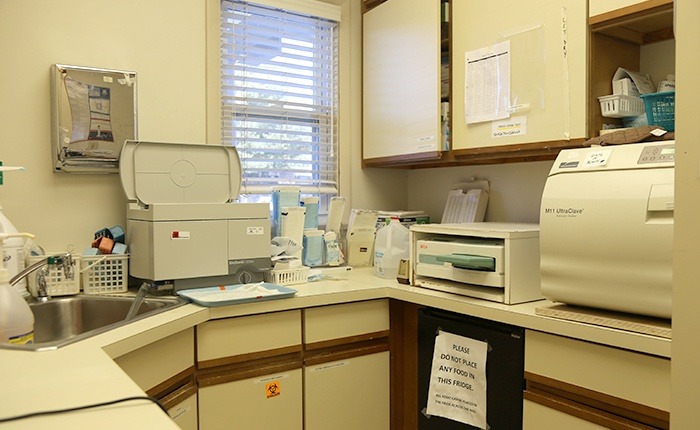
(57,283)
(105,274)
(297,275)
(621,106)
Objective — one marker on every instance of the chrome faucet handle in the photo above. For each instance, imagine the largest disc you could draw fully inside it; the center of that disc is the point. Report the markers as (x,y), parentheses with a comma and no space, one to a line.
(68,263)
(42,291)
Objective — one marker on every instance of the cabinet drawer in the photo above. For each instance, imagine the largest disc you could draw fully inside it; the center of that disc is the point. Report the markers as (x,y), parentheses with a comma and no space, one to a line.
(636,377)
(267,334)
(160,361)
(344,321)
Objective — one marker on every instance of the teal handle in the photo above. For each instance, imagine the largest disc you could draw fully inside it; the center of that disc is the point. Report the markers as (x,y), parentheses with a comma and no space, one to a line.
(468,261)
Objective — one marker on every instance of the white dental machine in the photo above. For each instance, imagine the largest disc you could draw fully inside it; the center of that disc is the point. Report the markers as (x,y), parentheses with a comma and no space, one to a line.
(182,227)
(606,228)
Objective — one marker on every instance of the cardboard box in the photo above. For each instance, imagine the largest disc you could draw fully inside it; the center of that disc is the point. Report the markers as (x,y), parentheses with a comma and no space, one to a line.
(624,87)
(406,218)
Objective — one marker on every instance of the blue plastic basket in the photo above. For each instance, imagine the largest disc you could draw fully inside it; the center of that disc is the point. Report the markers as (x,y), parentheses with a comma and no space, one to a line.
(661,109)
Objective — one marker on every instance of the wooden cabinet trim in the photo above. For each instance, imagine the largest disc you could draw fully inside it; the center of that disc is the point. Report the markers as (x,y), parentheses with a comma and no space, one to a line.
(251,356)
(519,150)
(345,351)
(250,369)
(179,395)
(643,23)
(518,153)
(630,13)
(332,343)
(406,159)
(603,409)
(368,5)
(172,383)
(404,364)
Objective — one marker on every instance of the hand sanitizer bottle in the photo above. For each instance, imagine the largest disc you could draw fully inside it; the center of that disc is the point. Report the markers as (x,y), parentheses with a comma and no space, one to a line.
(16,318)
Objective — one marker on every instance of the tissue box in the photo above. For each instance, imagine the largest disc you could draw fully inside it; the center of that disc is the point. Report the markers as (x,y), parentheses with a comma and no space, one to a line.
(624,87)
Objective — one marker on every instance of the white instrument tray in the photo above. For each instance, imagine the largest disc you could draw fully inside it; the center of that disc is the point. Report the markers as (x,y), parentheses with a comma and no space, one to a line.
(225,295)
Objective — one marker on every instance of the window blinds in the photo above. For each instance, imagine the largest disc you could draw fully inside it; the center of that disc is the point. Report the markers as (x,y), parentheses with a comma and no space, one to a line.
(279,94)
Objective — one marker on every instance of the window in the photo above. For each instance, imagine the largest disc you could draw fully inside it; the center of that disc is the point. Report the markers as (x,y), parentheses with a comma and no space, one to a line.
(279,96)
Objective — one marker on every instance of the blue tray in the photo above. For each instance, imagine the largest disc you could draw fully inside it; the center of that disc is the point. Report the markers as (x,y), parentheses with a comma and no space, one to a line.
(226,295)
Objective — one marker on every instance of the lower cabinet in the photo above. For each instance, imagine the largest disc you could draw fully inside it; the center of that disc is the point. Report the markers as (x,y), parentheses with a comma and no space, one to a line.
(348,394)
(318,368)
(182,406)
(347,366)
(264,402)
(249,372)
(538,416)
(165,370)
(575,384)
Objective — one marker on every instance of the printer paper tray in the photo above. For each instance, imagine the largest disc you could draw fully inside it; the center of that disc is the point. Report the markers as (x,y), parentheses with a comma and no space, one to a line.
(450,273)
(484,293)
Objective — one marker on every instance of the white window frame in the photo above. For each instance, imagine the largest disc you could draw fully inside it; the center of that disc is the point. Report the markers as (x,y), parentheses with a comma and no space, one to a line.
(260,191)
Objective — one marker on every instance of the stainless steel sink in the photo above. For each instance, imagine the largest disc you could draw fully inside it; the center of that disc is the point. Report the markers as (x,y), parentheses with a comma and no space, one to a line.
(64,320)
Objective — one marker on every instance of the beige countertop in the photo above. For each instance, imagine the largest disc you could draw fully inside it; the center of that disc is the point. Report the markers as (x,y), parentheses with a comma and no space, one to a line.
(84,372)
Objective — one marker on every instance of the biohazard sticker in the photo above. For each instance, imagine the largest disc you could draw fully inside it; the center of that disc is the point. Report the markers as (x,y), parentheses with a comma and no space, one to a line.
(272,389)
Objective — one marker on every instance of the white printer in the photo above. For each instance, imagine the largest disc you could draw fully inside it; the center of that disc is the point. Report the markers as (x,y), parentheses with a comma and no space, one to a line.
(487,260)
(606,228)
(181,225)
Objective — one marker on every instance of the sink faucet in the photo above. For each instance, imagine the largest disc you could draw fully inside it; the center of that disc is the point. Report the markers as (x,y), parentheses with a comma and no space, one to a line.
(62,261)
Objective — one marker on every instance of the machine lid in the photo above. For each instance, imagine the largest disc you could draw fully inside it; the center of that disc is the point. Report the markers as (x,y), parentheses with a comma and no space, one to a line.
(160,172)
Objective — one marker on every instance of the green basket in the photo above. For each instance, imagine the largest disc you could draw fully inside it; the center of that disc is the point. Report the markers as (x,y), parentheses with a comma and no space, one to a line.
(661,109)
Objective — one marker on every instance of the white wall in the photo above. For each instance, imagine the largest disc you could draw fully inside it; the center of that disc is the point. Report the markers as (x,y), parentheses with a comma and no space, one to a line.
(515,196)
(658,60)
(164,42)
(161,40)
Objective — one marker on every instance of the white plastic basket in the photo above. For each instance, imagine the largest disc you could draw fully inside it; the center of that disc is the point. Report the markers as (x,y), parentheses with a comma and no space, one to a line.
(621,106)
(105,274)
(57,283)
(297,275)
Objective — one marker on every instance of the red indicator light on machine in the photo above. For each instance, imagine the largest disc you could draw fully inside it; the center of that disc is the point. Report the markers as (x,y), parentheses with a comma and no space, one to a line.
(178,234)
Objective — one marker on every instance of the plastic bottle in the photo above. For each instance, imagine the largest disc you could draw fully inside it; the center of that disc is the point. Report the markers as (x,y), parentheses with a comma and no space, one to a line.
(16,318)
(13,257)
(390,247)
(668,84)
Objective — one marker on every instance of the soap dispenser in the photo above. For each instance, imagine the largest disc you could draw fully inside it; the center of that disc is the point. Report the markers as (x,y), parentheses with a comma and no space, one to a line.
(16,318)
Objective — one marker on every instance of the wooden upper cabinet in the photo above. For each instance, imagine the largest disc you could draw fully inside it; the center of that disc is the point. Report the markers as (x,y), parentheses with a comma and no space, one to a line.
(401,82)
(547,74)
(638,37)
(598,7)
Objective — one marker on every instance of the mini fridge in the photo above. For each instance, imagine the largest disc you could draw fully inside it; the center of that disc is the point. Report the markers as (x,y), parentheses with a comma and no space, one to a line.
(504,369)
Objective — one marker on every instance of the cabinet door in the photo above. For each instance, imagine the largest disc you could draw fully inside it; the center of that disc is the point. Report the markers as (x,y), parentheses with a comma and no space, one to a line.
(249,372)
(264,402)
(600,384)
(170,359)
(547,70)
(348,394)
(346,366)
(184,413)
(538,417)
(401,80)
